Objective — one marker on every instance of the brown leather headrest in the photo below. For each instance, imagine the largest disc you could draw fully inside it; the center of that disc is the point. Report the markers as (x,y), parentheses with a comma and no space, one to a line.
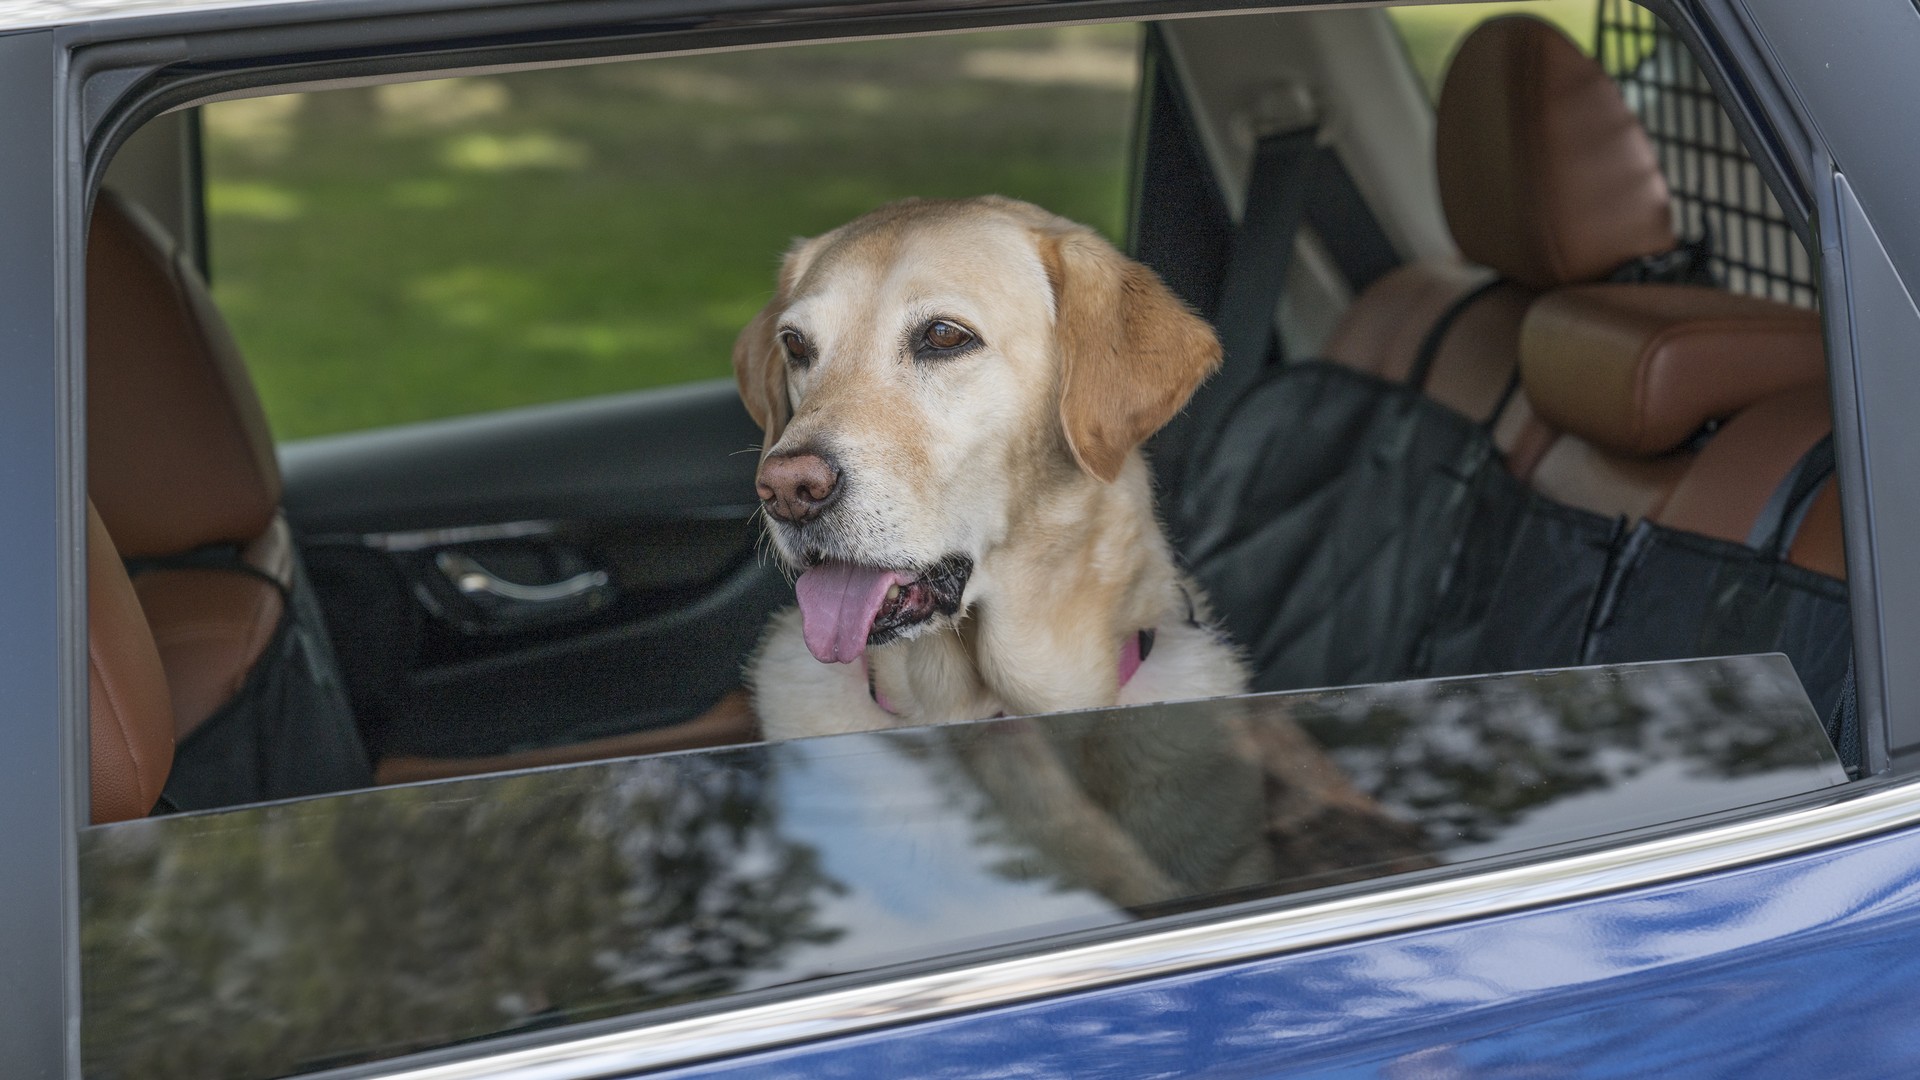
(1545,174)
(132,714)
(1637,369)
(178,451)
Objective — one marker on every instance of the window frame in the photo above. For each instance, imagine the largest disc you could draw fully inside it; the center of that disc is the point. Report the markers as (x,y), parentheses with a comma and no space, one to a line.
(42,632)
(72,92)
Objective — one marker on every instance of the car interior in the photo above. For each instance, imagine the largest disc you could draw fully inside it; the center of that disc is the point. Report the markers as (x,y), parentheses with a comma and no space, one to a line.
(1492,402)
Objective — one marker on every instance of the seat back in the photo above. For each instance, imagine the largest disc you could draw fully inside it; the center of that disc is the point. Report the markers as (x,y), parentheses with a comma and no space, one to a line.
(1546,179)
(1680,404)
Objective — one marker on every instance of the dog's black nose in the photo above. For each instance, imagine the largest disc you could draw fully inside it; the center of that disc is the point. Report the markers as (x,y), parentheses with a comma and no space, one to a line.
(797,487)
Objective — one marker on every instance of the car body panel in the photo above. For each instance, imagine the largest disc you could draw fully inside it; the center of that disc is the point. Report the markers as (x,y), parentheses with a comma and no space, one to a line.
(1806,966)
(42,531)
(1834,73)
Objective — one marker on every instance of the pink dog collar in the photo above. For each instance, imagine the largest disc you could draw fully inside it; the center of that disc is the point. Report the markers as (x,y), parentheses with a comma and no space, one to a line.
(1132,654)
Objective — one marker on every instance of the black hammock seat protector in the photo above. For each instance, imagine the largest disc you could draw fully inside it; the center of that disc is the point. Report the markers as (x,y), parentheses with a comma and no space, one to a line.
(1524,585)
(288,731)
(1349,529)
(1352,530)
(1679,594)
(1323,521)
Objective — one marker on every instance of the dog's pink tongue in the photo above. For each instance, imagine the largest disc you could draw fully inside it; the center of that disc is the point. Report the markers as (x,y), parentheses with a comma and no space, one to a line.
(838,602)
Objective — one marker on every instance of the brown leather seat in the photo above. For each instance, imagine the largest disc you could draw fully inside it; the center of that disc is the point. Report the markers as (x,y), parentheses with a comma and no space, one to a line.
(1729,481)
(1685,405)
(184,473)
(179,458)
(1546,179)
(131,723)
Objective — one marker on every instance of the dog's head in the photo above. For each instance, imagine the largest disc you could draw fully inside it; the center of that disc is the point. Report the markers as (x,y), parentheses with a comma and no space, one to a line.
(926,371)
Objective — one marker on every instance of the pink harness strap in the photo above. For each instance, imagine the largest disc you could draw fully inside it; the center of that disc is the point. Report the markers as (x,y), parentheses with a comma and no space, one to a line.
(1132,654)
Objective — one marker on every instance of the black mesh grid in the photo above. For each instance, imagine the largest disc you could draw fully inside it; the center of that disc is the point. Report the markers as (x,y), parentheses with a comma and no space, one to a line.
(1717,190)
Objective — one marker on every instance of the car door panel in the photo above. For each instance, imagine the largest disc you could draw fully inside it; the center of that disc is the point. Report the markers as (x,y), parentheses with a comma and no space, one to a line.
(537,576)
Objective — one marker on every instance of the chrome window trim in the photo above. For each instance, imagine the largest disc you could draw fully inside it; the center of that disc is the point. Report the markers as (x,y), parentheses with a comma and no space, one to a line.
(1188,948)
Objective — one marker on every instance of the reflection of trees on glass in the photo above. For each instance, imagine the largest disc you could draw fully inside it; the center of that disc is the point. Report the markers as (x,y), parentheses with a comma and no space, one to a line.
(1467,756)
(418,916)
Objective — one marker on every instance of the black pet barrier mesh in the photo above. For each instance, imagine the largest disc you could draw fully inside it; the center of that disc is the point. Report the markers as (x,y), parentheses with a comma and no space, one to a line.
(1718,193)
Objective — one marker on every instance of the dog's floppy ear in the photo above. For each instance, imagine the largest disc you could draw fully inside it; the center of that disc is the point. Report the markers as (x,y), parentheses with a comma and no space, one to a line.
(1131,354)
(759,364)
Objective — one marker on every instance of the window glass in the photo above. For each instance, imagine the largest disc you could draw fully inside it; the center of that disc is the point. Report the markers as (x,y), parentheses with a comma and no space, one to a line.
(441,248)
(258,942)
(1432,31)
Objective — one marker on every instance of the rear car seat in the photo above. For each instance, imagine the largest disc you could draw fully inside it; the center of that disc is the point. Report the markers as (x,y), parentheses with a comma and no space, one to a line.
(184,473)
(1684,510)
(1355,525)
(1322,558)
(1632,375)
(1546,179)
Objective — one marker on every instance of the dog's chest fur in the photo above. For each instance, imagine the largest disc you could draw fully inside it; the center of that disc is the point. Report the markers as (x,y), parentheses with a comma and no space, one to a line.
(935,679)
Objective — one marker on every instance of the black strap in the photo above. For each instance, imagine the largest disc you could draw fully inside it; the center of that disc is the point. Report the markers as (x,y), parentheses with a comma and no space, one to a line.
(1286,168)
(1256,274)
(1690,263)
(1507,394)
(1780,520)
(1263,249)
(1339,215)
(1437,334)
(227,557)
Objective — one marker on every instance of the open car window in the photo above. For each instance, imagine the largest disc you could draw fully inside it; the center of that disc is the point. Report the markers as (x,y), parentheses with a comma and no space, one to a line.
(522,555)
(433,249)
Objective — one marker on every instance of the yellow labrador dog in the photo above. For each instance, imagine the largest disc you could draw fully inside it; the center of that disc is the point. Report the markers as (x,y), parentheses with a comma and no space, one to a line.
(954,394)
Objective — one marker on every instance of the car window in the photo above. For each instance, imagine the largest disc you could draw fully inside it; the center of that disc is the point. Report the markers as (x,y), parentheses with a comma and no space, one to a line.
(1555,614)
(373,924)
(433,249)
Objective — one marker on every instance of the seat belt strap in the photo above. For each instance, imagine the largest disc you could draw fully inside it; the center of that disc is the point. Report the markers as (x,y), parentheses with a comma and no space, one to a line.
(1283,168)
(1339,215)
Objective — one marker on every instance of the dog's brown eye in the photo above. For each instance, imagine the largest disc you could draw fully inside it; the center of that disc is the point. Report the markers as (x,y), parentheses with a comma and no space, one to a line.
(944,336)
(795,345)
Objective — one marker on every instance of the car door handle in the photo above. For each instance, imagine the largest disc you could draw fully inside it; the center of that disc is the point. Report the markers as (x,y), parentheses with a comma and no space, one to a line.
(474,580)
(479,601)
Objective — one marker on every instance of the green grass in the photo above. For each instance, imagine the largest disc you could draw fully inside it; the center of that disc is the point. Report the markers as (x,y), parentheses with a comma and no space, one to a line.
(437,249)
(452,247)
